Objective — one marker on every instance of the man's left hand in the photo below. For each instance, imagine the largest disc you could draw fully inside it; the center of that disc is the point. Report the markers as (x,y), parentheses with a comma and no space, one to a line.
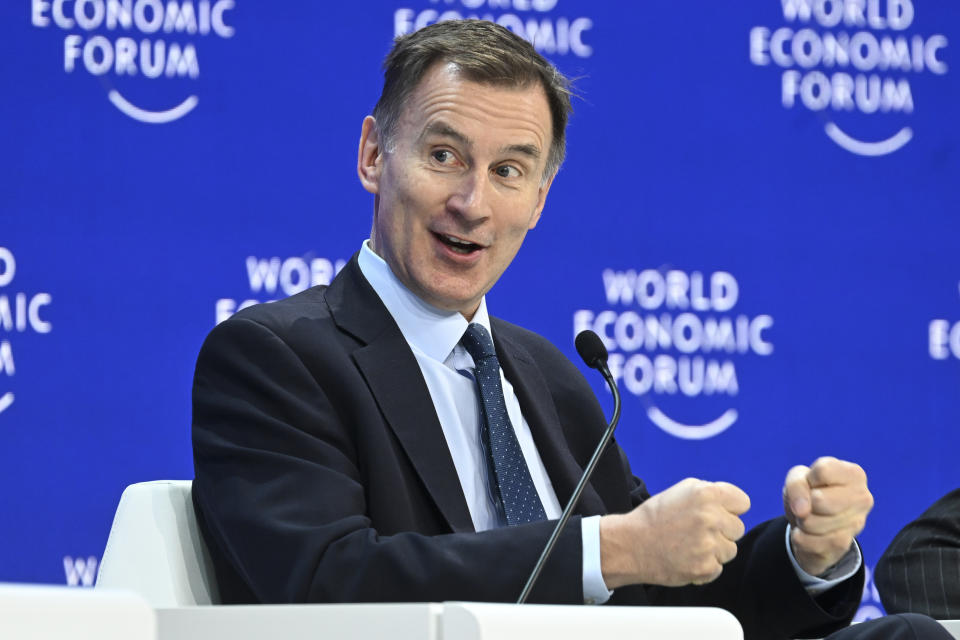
(827,503)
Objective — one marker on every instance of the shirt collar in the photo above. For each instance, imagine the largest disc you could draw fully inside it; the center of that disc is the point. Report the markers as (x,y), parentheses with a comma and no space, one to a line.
(433,331)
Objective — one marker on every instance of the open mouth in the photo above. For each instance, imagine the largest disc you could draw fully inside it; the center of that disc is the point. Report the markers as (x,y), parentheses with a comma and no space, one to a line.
(458,245)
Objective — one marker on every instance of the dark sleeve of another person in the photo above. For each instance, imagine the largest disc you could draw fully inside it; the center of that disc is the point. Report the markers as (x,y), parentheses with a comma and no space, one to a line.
(920,570)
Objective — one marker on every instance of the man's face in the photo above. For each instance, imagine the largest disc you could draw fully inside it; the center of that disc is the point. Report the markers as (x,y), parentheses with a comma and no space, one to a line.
(461,187)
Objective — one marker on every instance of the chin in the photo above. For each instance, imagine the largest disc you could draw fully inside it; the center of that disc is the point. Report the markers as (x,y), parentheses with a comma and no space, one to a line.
(454,304)
(454,295)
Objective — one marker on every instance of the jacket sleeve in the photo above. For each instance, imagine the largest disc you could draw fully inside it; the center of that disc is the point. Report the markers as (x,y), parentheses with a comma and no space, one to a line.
(920,570)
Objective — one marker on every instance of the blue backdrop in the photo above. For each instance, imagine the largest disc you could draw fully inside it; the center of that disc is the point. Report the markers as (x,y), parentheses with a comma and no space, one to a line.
(758,213)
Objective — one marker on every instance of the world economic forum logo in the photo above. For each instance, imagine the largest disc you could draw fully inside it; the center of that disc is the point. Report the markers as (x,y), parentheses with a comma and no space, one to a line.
(20,312)
(675,336)
(134,44)
(551,31)
(851,60)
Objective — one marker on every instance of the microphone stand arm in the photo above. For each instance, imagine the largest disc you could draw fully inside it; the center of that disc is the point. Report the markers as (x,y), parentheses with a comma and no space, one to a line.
(584,479)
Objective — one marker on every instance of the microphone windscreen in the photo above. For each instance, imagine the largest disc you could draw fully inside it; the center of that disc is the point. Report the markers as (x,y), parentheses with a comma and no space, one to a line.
(591,349)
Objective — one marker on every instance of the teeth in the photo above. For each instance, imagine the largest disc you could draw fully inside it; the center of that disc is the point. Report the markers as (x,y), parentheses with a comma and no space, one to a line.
(453,240)
(462,247)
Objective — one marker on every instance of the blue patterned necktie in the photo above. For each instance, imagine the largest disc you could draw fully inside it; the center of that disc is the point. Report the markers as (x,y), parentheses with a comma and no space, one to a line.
(511,477)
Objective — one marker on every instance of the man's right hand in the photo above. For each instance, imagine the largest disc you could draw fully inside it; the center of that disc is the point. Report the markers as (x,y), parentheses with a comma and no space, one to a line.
(683,535)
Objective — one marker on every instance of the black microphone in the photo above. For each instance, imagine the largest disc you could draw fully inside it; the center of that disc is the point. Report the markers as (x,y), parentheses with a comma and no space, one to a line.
(594,354)
(591,349)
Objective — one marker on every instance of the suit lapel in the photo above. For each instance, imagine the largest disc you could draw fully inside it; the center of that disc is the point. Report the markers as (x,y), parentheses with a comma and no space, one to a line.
(541,415)
(393,375)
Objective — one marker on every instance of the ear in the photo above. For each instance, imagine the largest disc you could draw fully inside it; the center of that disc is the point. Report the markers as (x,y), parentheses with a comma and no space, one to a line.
(370,156)
(541,201)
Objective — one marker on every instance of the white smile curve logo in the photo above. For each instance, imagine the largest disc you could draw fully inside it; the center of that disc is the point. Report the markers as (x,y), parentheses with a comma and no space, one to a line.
(692,432)
(5,401)
(881,148)
(152,117)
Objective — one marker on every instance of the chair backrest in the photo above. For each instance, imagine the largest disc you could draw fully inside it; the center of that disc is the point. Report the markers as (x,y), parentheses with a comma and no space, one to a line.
(155,548)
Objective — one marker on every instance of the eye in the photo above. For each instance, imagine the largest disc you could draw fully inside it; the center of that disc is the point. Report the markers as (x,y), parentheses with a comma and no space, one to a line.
(507,171)
(443,156)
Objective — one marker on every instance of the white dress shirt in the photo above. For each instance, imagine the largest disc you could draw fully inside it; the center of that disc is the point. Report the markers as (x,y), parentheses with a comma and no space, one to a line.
(434,337)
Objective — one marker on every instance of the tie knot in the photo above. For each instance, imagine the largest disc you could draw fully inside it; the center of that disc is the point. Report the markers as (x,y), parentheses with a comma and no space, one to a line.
(477,342)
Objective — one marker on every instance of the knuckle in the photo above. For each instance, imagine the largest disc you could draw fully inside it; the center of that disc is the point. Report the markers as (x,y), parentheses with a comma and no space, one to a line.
(691,489)
(740,528)
(705,569)
(727,553)
(819,498)
(698,518)
(706,490)
(797,473)
(714,575)
(695,545)
(858,472)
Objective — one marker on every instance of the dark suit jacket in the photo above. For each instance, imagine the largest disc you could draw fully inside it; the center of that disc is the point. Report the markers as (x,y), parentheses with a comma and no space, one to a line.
(920,570)
(322,474)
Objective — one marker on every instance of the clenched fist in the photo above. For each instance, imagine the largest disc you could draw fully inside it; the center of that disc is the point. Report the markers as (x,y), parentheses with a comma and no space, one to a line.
(827,503)
(683,535)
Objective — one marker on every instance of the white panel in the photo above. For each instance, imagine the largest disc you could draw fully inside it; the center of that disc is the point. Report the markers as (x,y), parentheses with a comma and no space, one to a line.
(56,613)
(301,622)
(482,621)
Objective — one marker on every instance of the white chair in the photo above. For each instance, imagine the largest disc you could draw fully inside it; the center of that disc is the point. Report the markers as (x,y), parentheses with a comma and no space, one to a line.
(155,548)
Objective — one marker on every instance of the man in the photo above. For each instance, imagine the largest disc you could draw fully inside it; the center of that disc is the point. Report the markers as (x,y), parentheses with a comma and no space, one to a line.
(370,441)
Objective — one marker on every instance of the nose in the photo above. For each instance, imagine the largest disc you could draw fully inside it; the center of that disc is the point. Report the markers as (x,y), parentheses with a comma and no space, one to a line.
(468,199)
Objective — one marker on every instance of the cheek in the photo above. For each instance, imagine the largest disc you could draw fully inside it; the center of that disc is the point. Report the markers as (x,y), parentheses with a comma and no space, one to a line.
(400,208)
(415,196)
(512,240)
(524,219)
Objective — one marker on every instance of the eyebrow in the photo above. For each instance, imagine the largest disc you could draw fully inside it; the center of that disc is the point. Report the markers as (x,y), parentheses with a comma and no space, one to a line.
(530,150)
(443,129)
